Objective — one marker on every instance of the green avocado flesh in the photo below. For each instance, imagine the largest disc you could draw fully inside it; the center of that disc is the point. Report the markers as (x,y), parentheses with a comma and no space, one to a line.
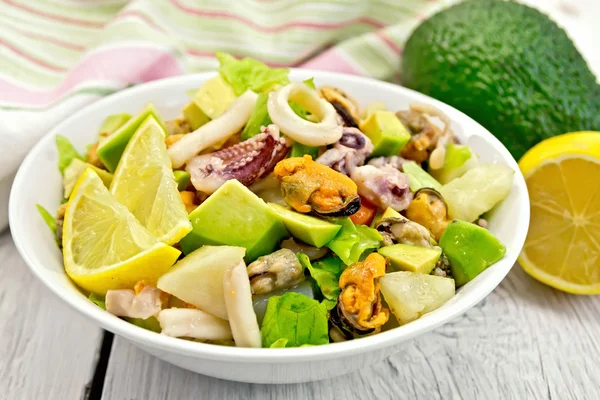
(113,122)
(111,149)
(194,115)
(214,97)
(235,216)
(507,66)
(470,250)
(404,257)
(388,213)
(386,132)
(308,229)
(182,178)
(418,178)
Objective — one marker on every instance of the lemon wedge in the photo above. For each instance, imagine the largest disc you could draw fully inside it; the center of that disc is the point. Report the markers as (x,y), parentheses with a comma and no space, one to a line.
(144,183)
(562,248)
(104,245)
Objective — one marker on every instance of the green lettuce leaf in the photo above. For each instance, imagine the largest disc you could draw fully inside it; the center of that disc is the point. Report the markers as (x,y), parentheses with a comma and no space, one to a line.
(97,300)
(260,117)
(297,318)
(250,74)
(66,152)
(310,83)
(279,343)
(299,110)
(48,218)
(299,149)
(368,238)
(327,274)
(353,240)
(344,241)
(150,323)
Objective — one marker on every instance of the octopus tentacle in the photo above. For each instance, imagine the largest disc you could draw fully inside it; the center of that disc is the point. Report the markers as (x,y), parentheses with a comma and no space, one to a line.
(246,161)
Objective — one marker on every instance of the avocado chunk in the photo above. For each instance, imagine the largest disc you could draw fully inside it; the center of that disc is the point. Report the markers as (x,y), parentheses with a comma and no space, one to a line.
(112,123)
(111,149)
(235,216)
(386,132)
(507,66)
(194,115)
(388,213)
(182,178)
(470,250)
(404,257)
(308,229)
(418,178)
(459,159)
(215,96)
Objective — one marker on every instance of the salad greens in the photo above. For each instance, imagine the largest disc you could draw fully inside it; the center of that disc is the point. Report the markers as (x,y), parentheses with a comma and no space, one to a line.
(250,74)
(259,117)
(299,149)
(310,83)
(353,240)
(296,318)
(97,300)
(48,218)
(150,323)
(66,153)
(279,343)
(326,272)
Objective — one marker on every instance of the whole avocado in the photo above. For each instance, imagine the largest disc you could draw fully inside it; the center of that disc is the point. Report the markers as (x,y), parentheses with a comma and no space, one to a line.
(507,66)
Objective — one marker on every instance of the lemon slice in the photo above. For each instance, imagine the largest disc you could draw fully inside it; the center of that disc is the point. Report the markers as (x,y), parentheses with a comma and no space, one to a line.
(563,244)
(144,183)
(104,245)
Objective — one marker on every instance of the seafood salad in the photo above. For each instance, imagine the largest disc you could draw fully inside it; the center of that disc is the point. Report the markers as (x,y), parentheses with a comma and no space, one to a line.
(273,213)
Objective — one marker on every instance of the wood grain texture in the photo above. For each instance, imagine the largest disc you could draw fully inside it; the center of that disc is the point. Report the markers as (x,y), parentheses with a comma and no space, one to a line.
(524,341)
(47,350)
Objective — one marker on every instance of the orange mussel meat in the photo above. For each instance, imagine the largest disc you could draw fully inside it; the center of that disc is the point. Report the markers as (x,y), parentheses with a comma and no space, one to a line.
(308,186)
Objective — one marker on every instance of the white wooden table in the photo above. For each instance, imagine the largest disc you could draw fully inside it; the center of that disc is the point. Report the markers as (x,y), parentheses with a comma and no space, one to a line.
(524,341)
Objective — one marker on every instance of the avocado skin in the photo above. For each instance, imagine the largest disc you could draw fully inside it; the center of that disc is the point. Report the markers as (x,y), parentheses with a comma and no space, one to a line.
(507,66)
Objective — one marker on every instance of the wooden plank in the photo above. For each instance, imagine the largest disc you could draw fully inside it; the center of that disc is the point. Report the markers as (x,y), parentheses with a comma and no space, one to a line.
(48,351)
(524,341)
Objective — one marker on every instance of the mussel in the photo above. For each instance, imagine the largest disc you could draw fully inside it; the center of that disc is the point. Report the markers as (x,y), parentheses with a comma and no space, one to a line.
(425,135)
(310,187)
(346,107)
(403,230)
(359,310)
(429,209)
(278,270)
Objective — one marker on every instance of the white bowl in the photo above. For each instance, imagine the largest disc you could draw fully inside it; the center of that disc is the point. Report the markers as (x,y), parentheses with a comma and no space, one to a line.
(39,181)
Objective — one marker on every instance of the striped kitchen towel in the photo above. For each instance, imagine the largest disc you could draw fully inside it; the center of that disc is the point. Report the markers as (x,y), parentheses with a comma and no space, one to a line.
(58,56)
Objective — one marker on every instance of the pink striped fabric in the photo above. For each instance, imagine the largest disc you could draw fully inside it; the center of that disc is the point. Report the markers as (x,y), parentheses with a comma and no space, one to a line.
(59,56)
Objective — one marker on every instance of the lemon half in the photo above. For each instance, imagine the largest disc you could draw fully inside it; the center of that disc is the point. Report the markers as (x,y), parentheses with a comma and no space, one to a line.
(562,248)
